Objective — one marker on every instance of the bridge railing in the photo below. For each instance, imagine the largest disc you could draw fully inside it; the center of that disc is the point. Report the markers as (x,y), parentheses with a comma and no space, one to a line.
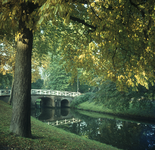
(45,92)
(54,92)
(5,92)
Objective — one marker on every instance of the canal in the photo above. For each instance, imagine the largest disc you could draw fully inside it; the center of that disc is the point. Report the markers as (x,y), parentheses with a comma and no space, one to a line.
(111,130)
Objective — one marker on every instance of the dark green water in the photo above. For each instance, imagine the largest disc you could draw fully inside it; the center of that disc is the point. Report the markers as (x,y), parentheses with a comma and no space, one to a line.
(120,133)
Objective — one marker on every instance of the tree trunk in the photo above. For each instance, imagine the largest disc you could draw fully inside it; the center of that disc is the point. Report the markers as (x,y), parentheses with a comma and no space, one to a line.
(20,122)
(11,94)
(74,86)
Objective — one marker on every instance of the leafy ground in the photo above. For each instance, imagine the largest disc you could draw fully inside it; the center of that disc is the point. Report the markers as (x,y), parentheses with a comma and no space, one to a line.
(45,137)
(145,114)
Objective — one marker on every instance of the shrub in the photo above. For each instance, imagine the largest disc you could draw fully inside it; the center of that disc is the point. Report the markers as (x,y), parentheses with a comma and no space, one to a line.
(82,98)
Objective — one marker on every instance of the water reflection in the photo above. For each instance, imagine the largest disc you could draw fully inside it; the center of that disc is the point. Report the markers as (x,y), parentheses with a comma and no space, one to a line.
(51,114)
(119,133)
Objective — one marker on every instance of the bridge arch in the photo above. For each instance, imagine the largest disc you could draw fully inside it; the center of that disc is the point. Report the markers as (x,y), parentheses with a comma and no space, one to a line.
(65,103)
(47,102)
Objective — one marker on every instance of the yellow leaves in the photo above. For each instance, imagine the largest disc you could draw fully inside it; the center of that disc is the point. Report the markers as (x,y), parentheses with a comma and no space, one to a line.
(4,72)
(121,77)
(14,12)
(120,1)
(91,46)
(143,73)
(93,4)
(148,49)
(67,19)
(98,1)
(110,75)
(141,78)
(17,34)
(135,35)
(129,82)
(7,58)
(117,17)
(141,6)
(82,56)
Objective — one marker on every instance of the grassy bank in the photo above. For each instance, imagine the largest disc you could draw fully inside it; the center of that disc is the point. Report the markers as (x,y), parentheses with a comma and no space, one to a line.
(146,113)
(45,137)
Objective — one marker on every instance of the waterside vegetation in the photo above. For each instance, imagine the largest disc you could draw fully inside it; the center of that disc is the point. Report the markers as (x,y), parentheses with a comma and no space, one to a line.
(134,113)
(109,100)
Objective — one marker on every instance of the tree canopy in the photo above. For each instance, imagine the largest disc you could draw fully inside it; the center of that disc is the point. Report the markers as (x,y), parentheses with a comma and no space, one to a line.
(114,39)
(118,46)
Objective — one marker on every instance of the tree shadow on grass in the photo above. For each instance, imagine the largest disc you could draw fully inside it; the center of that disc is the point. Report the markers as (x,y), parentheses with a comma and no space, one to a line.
(37,137)
(32,137)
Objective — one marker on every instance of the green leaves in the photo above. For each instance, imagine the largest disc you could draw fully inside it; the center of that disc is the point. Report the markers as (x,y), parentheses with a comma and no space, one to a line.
(4,1)
(82,98)
(44,6)
(40,20)
(57,77)
(109,39)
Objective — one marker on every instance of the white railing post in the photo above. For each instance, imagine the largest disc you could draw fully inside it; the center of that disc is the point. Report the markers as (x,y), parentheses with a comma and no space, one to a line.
(73,94)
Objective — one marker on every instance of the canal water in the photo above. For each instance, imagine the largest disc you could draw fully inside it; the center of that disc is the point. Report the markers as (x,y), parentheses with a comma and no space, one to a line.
(118,132)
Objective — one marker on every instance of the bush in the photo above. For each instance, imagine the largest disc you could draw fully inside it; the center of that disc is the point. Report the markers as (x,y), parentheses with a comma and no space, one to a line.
(82,98)
(110,97)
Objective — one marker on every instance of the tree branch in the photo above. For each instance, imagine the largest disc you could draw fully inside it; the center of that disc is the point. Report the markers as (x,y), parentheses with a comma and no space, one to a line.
(78,1)
(82,21)
(95,14)
(136,6)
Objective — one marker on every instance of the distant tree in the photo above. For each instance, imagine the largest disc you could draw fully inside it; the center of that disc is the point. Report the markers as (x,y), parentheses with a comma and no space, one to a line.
(5,81)
(56,77)
(38,84)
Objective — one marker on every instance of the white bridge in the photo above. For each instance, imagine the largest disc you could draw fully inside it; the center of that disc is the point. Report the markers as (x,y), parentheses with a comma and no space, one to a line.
(45,92)
(49,98)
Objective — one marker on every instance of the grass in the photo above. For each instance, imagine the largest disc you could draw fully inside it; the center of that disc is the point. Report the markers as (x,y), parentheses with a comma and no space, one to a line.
(45,137)
(143,113)
(94,107)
